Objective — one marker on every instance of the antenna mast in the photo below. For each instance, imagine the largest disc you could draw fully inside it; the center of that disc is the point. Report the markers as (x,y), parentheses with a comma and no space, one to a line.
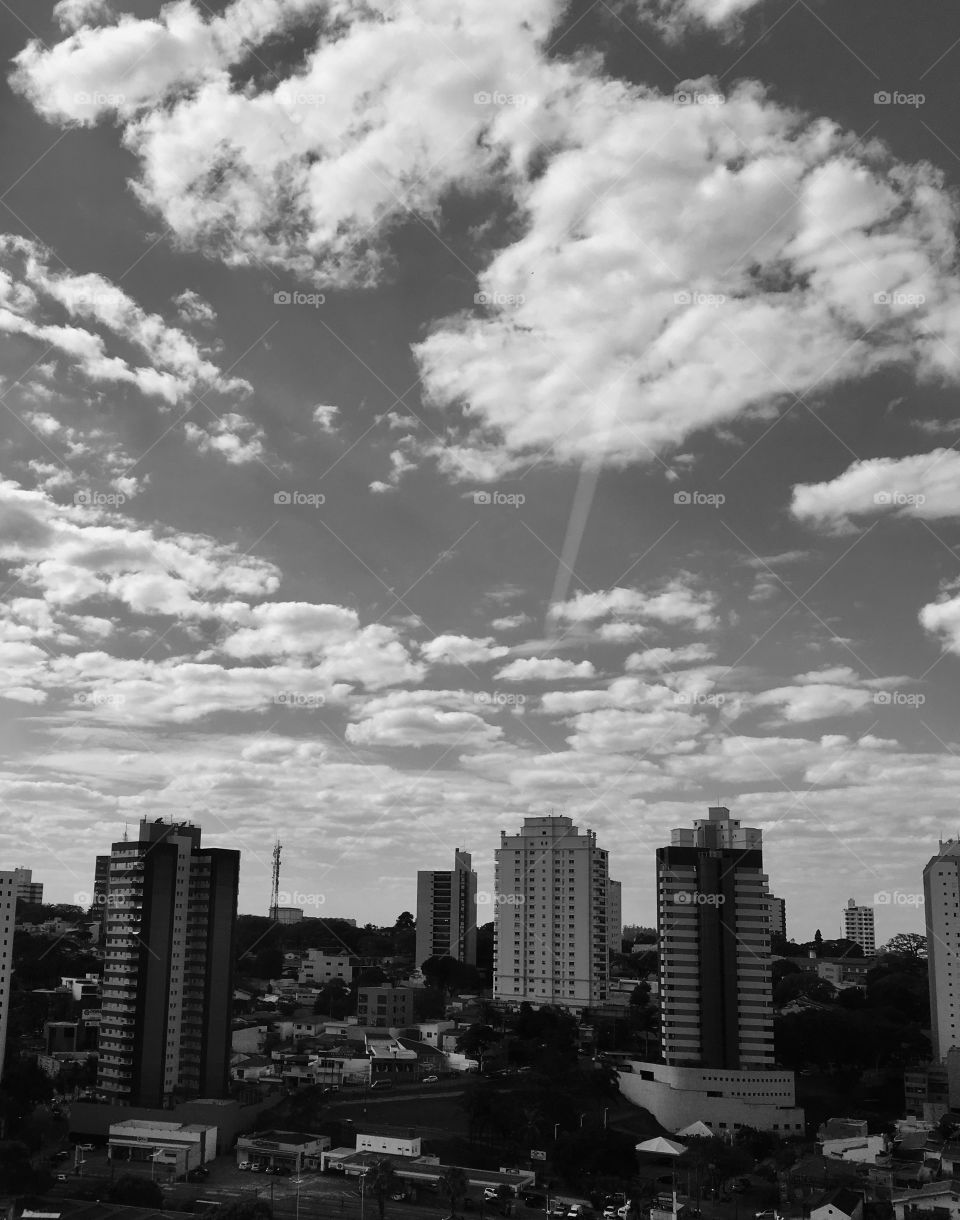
(275,884)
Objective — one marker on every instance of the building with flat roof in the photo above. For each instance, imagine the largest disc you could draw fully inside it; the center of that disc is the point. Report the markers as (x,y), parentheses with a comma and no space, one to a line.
(293,1150)
(858,927)
(318,966)
(615,917)
(778,917)
(174,1148)
(385,1007)
(171,909)
(8,917)
(28,890)
(447,912)
(941,895)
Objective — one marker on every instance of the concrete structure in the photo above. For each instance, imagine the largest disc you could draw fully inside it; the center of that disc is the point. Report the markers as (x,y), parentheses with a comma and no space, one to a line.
(385,1007)
(840,1204)
(8,916)
(287,914)
(941,895)
(432,1031)
(551,916)
(447,912)
(422,1171)
(319,967)
(724,1100)
(858,927)
(860,1149)
(28,890)
(940,1200)
(778,917)
(293,1150)
(615,917)
(85,989)
(391,1145)
(167,982)
(716,997)
(175,1148)
(715,980)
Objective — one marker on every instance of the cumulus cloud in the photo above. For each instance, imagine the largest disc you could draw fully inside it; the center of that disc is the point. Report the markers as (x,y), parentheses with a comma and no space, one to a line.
(423,718)
(325,416)
(545,669)
(655,659)
(462,650)
(193,310)
(233,437)
(923,485)
(676,603)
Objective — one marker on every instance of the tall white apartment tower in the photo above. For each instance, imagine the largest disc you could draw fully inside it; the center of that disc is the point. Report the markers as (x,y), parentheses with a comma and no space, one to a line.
(858,927)
(941,897)
(552,896)
(715,972)
(8,914)
(447,912)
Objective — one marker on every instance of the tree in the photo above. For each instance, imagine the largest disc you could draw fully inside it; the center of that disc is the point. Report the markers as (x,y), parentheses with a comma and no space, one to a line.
(137,1191)
(17,1174)
(244,1209)
(907,944)
(803,983)
(381,1181)
(782,968)
(454,1184)
(405,921)
(25,1087)
(818,941)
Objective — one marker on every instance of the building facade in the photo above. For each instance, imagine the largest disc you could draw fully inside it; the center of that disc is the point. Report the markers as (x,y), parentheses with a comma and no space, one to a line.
(167,981)
(385,1007)
(8,915)
(551,915)
(715,968)
(319,967)
(941,897)
(858,927)
(447,912)
(778,917)
(615,917)
(28,890)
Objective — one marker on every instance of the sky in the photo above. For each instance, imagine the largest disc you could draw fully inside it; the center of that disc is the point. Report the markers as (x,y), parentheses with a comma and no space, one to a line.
(423,415)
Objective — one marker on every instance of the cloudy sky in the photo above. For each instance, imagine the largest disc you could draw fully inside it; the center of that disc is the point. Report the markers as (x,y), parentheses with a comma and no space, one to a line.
(423,413)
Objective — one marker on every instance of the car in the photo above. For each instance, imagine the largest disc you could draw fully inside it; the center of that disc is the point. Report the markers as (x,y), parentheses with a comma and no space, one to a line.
(609,1213)
(244,1165)
(61,1177)
(624,1211)
(398,1197)
(430,1079)
(62,1156)
(259,1169)
(767,1215)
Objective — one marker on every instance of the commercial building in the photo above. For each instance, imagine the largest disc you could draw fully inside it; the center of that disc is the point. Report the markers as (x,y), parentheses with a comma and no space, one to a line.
(941,896)
(716,1001)
(8,916)
(447,912)
(858,927)
(551,915)
(167,980)
(385,1007)
(174,1148)
(28,890)
(615,917)
(293,1150)
(778,917)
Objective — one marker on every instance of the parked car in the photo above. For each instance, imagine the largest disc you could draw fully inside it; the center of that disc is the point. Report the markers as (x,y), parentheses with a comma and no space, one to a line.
(624,1211)
(609,1213)
(61,1177)
(430,1079)
(398,1197)
(244,1165)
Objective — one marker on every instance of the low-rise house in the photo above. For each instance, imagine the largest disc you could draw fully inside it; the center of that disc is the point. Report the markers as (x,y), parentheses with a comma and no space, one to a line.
(843,1203)
(940,1200)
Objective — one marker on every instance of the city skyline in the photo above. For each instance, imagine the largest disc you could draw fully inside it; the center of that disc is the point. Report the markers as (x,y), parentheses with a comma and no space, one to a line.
(538,408)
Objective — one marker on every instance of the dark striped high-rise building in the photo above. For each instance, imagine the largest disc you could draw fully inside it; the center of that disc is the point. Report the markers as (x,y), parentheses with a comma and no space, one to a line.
(171,908)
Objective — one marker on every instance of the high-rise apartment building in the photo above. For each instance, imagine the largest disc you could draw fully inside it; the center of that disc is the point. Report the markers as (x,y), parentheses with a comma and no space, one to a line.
(101,883)
(615,917)
(28,890)
(941,898)
(778,917)
(552,895)
(171,909)
(715,980)
(8,915)
(858,927)
(447,912)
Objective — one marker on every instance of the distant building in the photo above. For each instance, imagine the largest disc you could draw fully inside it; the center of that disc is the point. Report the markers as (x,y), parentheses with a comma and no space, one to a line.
(551,916)
(174,1148)
(293,1150)
(287,914)
(318,967)
(778,917)
(447,912)
(858,927)
(941,895)
(615,916)
(841,1204)
(28,890)
(167,976)
(385,1007)
(101,883)
(8,915)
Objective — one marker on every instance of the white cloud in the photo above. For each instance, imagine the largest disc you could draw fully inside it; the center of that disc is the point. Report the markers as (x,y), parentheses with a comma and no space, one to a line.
(325,416)
(423,718)
(72,14)
(193,310)
(655,659)
(510,622)
(462,650)
(235,438)
(545,669)
(924,485)
(676,603)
